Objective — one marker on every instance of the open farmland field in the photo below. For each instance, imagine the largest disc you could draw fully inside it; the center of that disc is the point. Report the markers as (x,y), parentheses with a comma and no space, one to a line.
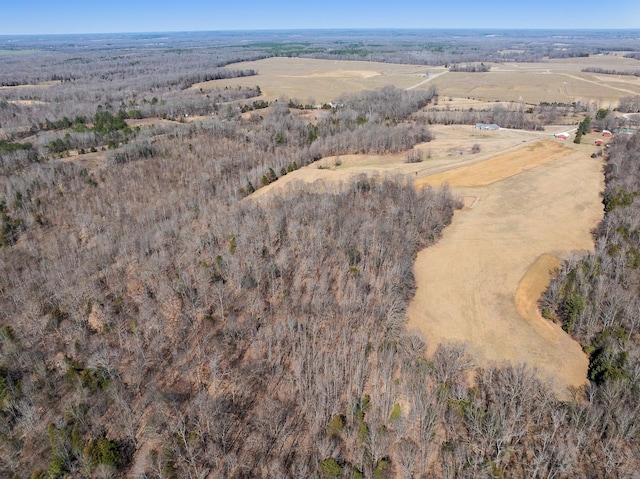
(535,86)
(479,284)
(320,80)
(552,81)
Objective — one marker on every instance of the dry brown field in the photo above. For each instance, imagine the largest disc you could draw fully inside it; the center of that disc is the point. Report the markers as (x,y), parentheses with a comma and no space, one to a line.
(551,81)
(499,167)
(320,81)
(480,283)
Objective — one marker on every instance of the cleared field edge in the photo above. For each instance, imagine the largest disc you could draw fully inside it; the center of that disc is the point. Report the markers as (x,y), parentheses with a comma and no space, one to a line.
(568,369)
(534,282)
(530,288)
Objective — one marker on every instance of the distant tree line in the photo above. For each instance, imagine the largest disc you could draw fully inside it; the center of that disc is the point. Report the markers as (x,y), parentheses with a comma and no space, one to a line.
(482,68)
(219,74)
(605,71)
(516,115)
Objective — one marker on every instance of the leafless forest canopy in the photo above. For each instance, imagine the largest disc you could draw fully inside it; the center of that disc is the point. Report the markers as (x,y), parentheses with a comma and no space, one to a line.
(157,322)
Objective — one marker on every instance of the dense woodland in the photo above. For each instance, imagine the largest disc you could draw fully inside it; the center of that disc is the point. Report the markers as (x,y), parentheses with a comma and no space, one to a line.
(156,321)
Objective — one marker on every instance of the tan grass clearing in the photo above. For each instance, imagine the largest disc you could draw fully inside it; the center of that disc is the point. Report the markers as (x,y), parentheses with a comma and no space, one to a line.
(440,155)
(320,81)
(338,74)
(499,167)
(480,283)
(559,80)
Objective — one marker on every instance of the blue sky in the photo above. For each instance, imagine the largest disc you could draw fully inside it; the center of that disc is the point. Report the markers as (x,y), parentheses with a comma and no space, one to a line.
(111,16)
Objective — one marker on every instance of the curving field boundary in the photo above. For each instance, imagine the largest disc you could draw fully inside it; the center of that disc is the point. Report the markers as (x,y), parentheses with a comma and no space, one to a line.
(481,282)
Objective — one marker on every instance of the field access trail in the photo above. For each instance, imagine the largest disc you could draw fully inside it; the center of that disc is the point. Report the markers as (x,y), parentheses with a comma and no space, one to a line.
(480,283)
(425,81)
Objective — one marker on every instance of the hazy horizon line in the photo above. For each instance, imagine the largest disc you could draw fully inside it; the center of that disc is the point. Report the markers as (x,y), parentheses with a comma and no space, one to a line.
(338,29)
